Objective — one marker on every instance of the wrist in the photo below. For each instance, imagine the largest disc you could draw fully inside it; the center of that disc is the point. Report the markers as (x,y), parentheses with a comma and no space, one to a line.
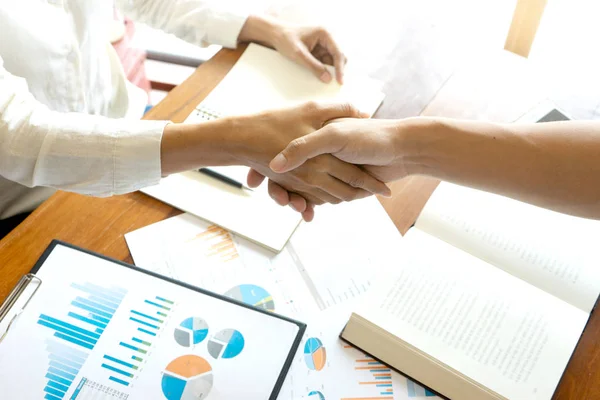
(260,29)
(189,146)
(417,139)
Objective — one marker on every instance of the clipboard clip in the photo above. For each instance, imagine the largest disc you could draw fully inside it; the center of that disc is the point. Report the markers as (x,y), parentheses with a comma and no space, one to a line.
(14,296)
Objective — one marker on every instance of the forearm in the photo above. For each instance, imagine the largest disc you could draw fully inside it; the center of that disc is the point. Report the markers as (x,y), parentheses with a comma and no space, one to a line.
(553,165)
(189,146)
(260,29)
(195,21)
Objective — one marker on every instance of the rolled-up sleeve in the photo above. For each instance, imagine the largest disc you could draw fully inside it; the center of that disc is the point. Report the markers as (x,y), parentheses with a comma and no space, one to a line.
(81,153)
(195,21)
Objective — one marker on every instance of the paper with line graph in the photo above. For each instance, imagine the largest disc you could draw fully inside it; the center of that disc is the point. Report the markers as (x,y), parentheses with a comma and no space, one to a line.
(192,250)
(324,264)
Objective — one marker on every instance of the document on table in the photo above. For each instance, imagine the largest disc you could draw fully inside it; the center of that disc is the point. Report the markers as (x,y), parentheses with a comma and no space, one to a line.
(95,328)
(327,262)
(326,265)
(261,79)
(325,367)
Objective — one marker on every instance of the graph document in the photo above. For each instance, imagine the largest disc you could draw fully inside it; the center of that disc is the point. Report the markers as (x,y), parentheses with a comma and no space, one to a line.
(99,330)
(325,267)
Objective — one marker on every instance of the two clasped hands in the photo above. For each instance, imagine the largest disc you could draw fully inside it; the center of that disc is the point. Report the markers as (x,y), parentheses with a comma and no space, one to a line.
(334,154)
(328,153)
(311,167)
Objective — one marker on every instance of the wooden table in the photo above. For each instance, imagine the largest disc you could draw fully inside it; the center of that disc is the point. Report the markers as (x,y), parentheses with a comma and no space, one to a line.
(498,87)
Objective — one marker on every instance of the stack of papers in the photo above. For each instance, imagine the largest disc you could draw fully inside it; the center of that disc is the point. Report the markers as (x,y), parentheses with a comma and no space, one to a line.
(325,267)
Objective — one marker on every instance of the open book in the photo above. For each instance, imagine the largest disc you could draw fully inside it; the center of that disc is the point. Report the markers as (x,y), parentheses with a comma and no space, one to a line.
(483,304)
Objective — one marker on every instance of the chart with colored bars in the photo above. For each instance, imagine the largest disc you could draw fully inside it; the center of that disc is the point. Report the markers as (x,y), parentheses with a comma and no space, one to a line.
(252,295)
(187,377)
(147,322)
(76,334)
(218,243)
(378,376)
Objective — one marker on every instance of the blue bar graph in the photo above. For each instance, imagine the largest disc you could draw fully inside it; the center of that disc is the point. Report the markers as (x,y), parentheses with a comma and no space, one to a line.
(64,367)
(164,300)
(54,392)
(92,310)
(76,333)
(139,321)
(90,321)
(156,304)
(95,305)
(58,386)
(107,303)
(67,331)
(117,370)
(120,362)
(146,331)
(99,318)
(65,361)
(58,379)
(122,382)
(146,316)
(74,341)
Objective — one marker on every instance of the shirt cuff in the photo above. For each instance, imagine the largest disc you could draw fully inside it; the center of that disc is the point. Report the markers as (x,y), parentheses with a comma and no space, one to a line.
(224,27)
(137,156)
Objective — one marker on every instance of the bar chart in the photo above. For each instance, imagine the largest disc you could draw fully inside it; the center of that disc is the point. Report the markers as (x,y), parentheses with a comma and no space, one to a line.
(76,334)
(381,376)
(147,320)
(374,379)
(217,243)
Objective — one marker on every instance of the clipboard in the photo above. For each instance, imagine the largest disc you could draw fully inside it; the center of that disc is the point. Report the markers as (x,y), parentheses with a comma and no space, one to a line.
(33,282)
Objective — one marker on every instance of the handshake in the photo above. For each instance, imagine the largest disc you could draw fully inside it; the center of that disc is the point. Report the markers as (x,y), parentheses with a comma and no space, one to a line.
(315,153)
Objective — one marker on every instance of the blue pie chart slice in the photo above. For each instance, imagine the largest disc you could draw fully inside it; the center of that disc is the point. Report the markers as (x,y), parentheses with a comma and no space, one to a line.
(191,331)
(253,295)
(227,343)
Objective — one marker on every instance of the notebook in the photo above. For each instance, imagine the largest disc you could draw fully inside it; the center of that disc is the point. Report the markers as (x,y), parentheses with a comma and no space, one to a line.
(82,326)
(261,79)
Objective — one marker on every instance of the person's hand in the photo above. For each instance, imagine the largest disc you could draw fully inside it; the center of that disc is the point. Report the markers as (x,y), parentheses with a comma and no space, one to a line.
(376,145)
(322,179)
(312,47)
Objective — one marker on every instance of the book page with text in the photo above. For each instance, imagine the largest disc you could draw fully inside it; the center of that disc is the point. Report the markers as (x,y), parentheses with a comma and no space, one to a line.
(495,329)
(553,251)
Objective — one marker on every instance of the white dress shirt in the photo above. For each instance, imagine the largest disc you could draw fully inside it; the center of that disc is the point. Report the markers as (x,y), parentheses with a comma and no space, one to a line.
(64,97)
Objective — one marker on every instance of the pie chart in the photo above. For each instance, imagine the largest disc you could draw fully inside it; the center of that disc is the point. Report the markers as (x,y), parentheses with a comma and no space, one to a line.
(316,395)
(187,378)
(191,331)
(252,295)
(314,354)
(227,343)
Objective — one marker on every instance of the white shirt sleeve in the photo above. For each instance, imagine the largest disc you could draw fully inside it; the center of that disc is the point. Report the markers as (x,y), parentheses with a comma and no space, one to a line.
(81,153)
(196,21)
